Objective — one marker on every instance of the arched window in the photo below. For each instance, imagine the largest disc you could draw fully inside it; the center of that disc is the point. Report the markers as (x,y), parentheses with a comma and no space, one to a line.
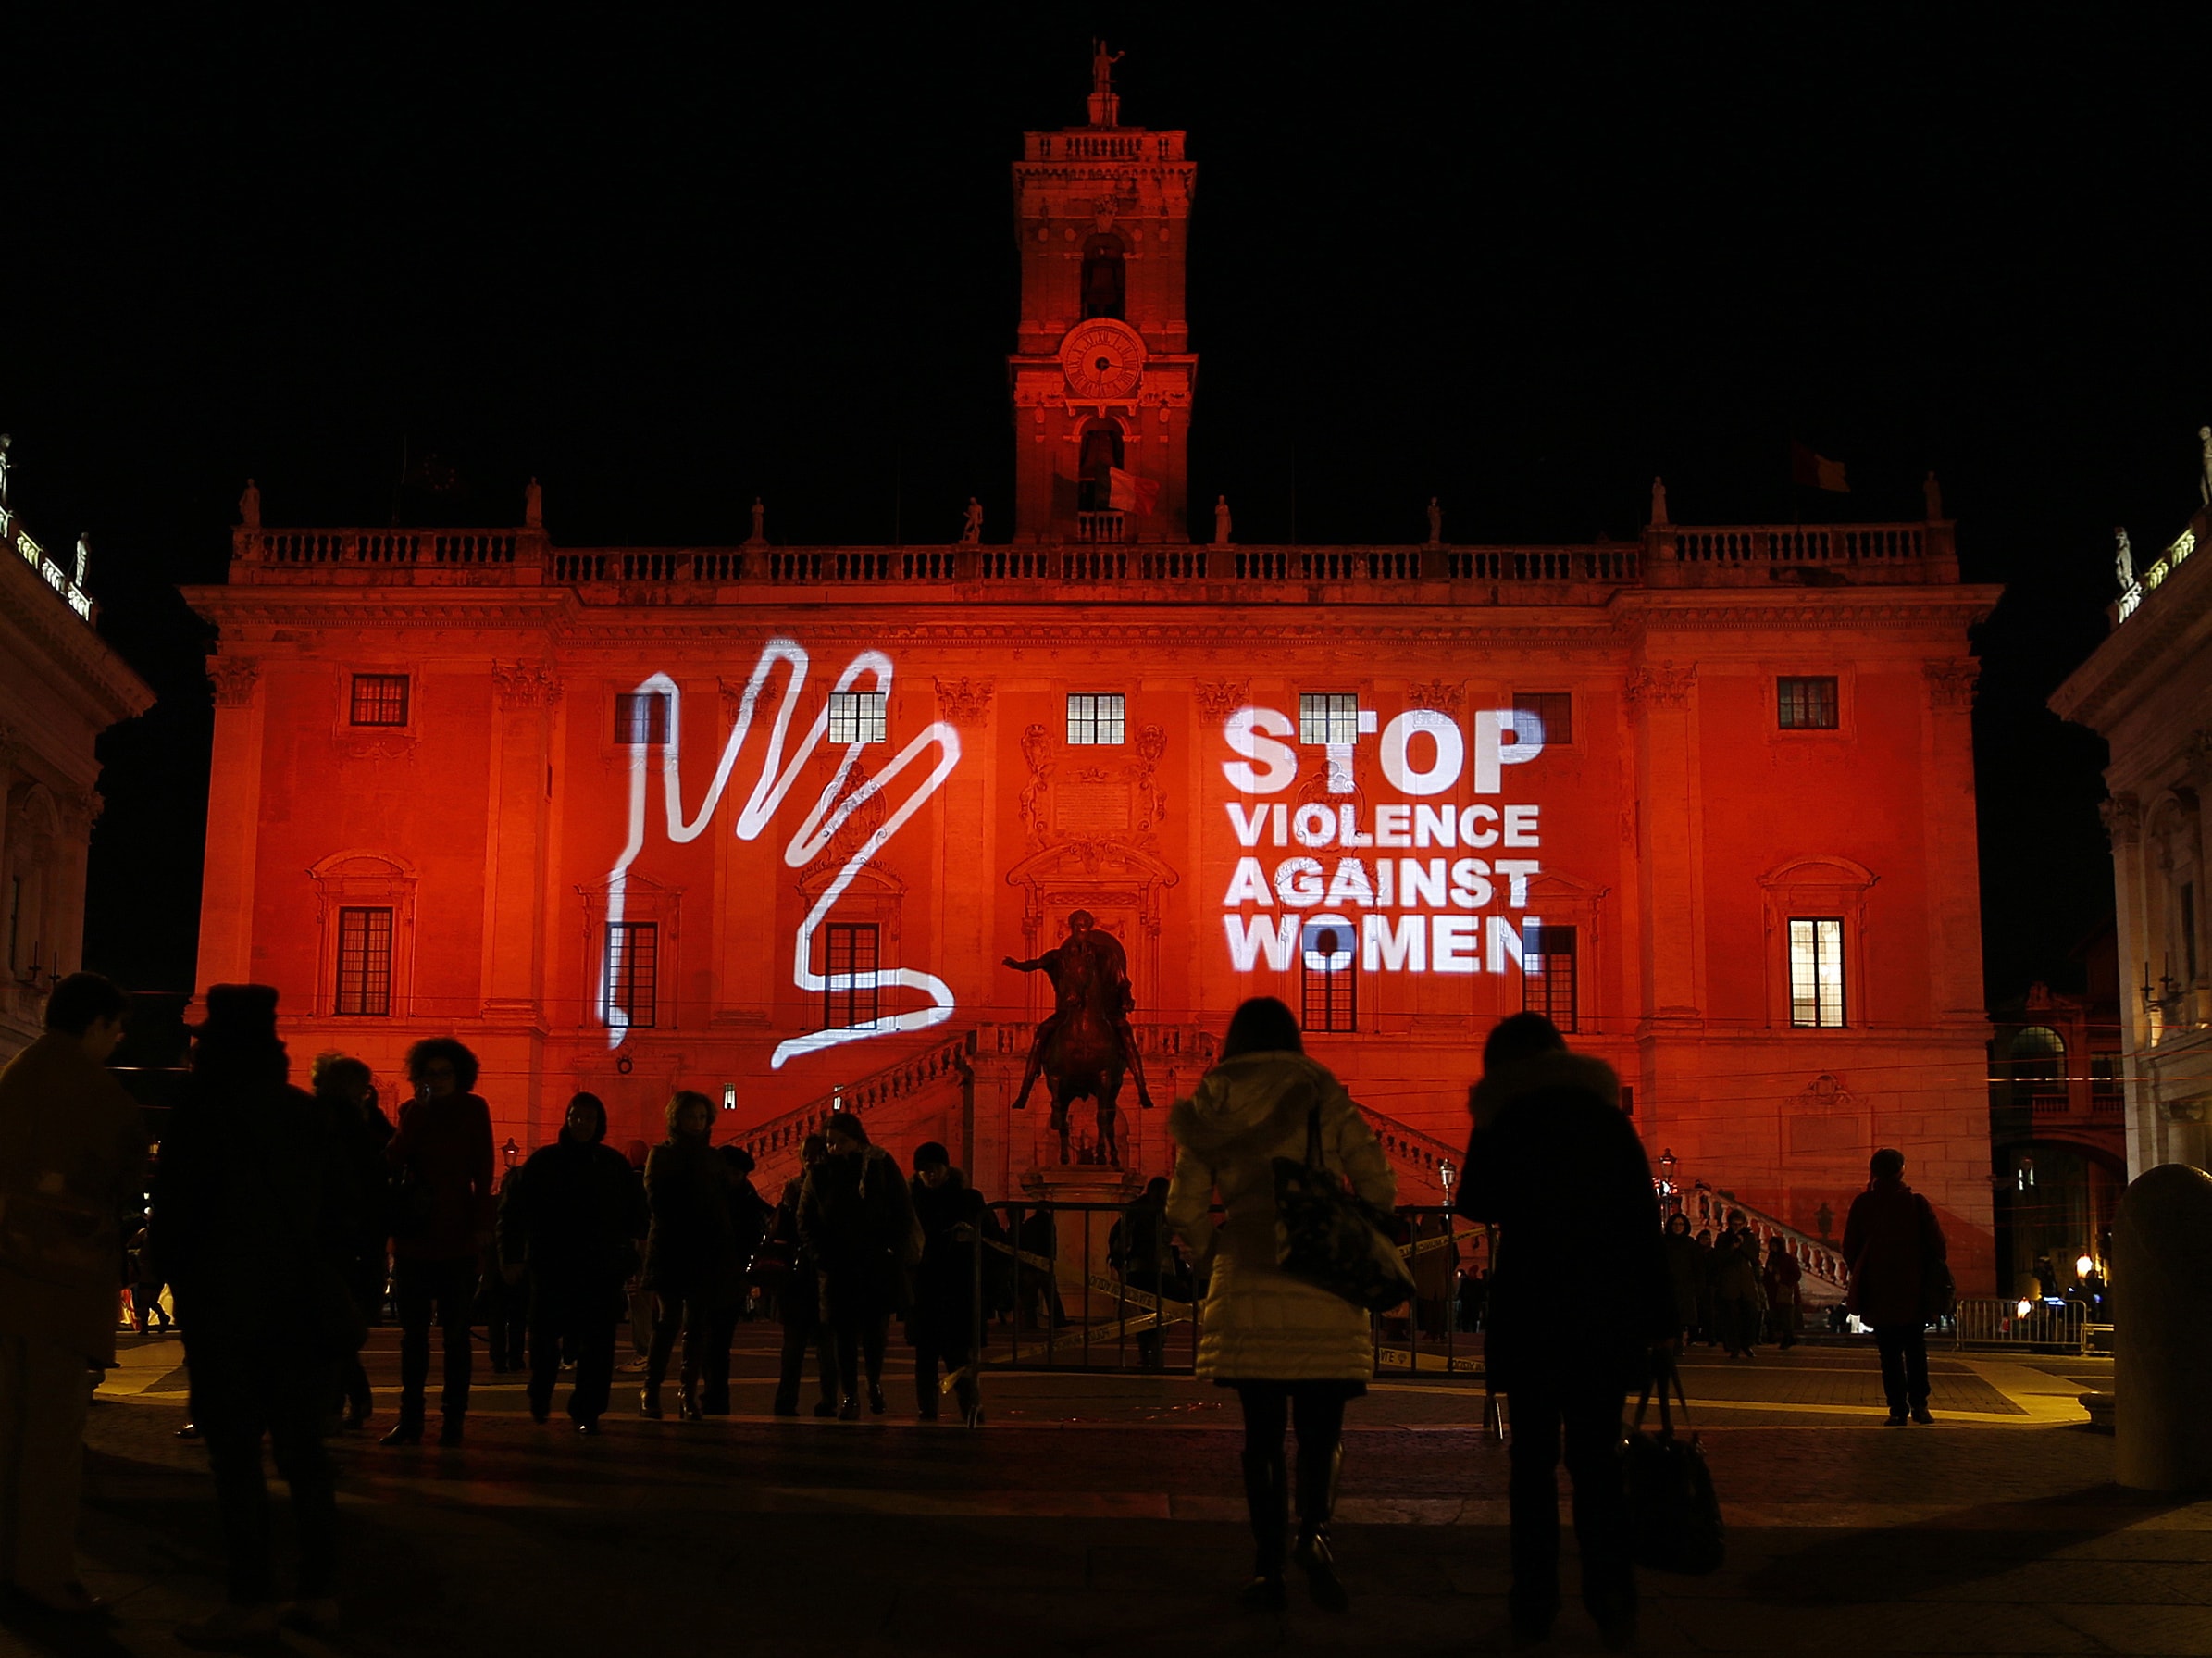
(1103,289)
(1101,453)
(2038,1054)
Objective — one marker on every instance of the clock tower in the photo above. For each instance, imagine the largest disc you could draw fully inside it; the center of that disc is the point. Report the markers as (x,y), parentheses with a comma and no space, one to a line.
(1101,371)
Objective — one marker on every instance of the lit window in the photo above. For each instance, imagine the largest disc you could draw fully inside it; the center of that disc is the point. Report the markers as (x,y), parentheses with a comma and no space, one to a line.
(378,700)
(364,960)
(853,954)
(1326,968)
(856,716)
(1095,717)
(1556,709)
(1817,972)
(1807,704)
(641,716)
(1325,716)
(633,974)
(1548,975)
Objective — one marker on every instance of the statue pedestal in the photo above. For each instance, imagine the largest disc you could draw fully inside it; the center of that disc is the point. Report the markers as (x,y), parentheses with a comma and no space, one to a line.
(1083,1235)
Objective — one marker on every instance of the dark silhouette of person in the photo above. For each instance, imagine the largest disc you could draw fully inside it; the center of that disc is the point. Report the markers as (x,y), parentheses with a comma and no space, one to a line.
(856,1219)
(691,1262)
(798,1297)
(1687,1271)
(503,1303)
(749,1218)
(345,1088)
(73,1163)
(568,1232)
(1294,1352)
(1579,1300)
(1892,1242)
(249,1222)
(942,1323)
(441,1158)
(1139,1248)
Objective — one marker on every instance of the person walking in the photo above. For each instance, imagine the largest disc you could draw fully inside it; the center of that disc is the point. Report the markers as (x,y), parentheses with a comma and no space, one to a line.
(73,1163)
(1146,1261)
(691,1264)
(346,1089)
(799,1296)
(145,1290)
(856,1219)
(1579,1303)
(1893,1246)
(568,1232)
(942,1323)
(749,1218)
(1685,1274)
(443,1208)
(1781,1281)
(1708,1328)
(1294,1352)
(249,1221)
(1735,1288)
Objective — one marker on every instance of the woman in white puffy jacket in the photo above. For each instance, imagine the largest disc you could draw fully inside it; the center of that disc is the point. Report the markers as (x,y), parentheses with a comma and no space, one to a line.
(1294,1352)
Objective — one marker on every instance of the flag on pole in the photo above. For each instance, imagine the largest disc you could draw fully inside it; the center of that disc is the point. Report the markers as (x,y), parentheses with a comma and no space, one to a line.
(1128,492)
(1816,472)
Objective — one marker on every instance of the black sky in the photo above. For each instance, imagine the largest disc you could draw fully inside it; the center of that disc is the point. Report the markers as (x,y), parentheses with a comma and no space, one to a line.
(1520,261)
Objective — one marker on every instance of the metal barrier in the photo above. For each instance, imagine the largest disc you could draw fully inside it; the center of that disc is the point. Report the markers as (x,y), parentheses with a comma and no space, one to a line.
(1990,1321)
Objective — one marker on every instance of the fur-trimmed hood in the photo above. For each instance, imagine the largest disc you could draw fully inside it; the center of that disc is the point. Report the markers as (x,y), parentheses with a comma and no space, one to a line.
(1537,1073)
(1254,1096)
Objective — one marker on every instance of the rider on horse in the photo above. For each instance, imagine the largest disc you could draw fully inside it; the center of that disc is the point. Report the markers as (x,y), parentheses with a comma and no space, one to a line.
(1089,964)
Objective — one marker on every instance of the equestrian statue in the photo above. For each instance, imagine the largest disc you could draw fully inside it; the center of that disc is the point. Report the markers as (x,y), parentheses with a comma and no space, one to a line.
(1085,1047)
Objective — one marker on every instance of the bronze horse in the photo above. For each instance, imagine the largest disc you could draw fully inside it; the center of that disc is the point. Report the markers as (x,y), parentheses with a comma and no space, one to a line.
(1083,1060)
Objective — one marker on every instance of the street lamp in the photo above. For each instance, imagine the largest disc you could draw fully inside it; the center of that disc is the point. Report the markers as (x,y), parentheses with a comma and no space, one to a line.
(1670,1199)
(1445,1175)
(510,1151)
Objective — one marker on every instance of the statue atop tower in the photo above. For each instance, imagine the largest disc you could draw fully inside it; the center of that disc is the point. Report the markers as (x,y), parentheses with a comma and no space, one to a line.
(1105,105)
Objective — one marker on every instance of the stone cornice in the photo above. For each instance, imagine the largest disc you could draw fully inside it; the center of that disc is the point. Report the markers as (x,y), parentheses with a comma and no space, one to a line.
(2145,646)
(109,689)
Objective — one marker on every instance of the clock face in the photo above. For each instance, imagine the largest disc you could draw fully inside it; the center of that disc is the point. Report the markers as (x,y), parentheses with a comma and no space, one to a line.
(1102,358)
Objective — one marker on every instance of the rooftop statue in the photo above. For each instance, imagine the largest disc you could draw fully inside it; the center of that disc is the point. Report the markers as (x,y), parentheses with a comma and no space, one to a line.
(2204,465)
(1933,493)
(2123,560)
(1085,1046)
(249,505)
(1102,68)
(972,523)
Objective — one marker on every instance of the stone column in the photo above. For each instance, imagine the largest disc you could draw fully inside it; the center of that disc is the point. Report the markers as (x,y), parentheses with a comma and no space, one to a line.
(2123,827)
(1670,891)
(227,886)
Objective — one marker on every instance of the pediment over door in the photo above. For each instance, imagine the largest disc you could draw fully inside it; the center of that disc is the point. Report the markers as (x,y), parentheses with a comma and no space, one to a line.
(1122,886)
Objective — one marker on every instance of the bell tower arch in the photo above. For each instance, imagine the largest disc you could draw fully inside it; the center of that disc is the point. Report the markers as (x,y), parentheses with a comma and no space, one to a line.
(1102,372)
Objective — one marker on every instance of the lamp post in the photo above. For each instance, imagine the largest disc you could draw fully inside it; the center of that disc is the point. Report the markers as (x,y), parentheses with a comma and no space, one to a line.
(510,1151)
(1670,1199)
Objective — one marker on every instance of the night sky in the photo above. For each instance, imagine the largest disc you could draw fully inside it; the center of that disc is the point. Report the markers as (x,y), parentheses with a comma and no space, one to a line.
(666,265)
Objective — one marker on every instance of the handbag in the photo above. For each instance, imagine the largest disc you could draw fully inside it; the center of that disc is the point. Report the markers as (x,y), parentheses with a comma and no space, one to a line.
(1332,1238)
(1673,1516)
(1939,1292)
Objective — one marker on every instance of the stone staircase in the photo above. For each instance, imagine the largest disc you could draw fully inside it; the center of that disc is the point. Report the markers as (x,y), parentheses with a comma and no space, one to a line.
(897,1090)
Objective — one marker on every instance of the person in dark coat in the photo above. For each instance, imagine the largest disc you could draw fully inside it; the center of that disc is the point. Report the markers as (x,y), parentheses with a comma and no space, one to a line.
(942,1323)
(1893,1242)
(691,1262)
(798,1297)
(1780,1282)
(857,1219)
(1736,1295)
(1579,1300)
(1685,1275)
(1145,1260)
(568,1232)
(504,1305)
(249,1223)
(749,1219)
(345,1088)
(441,1156)
(1708,1322)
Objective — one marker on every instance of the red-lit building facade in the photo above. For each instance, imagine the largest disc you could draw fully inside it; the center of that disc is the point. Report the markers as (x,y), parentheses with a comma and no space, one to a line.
(763,820)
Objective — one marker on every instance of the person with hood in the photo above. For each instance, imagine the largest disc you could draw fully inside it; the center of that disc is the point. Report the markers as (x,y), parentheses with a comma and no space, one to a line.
(1894,1244)
(72,1165)
(799,1296)
(1736,1300)
(568,1233)
(346,1091)
(856,1217)
(942,1323)
(1580,1303)
(1294,1352)
(1780,1282)
(1685,1275)
(691,1262)
(249,1222)
(442,1209)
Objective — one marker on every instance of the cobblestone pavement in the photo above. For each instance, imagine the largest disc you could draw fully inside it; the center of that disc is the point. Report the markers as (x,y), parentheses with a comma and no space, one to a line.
(1100,1514)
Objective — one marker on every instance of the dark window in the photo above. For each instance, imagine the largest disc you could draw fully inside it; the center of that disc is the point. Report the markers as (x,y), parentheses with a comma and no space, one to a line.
(641,717)
(1817,972)
(852,957)
(2104,1074)
(1101,455)
(856,716)
(1554,708)
(1807,704)
(1103,284)
(1328,966)
(1325,716)
(1628,1100)
(364,962)
(378,700)
(1548,975)
(633,973)
(1095,717)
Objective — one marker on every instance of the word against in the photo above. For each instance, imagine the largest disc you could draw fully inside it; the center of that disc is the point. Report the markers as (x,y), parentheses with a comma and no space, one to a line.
(1422,754)
(823,821)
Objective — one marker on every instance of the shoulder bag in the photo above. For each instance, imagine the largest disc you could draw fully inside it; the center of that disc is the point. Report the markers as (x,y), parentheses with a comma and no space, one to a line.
(1331,1237)
(1673,1516)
